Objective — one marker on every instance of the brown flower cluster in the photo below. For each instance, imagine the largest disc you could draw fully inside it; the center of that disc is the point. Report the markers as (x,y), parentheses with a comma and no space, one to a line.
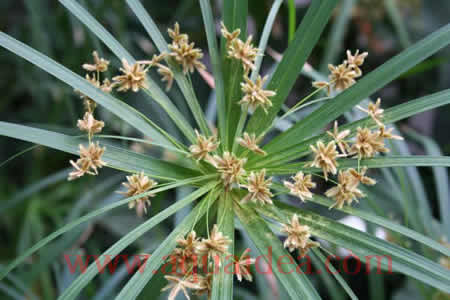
(184,52)
(298,236)
(139,184)
(230,167)
(344,75)
(204,146)
(250,141)
(89,162)
(301,186)
(254,93)
(258,188)
(193,258)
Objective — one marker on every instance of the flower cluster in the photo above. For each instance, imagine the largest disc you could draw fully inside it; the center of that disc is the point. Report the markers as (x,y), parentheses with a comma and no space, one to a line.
(298,236)
(254,94)
(344,75)
(91,157)
(194,257)
(139,184)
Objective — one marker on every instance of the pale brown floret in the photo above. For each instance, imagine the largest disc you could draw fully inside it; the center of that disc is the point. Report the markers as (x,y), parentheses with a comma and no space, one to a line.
(361,176)
(387,134)
(255,95)
(204,285)
(185,253)
(183,52)
(230,167)
(240,50)
(339,137)
(346,191)
(368,143)
(229,36)
(215,246)
(325,157)
(258,188)
(203,147)
(133,77)
(90,124)
(242,266)
(301,186)
(356,60)
(297,236)
(342,76)
(374,111)
(250,141)
(166,76)
(138,184)
(100,64)
(178,284)
(106,87)
(89,162)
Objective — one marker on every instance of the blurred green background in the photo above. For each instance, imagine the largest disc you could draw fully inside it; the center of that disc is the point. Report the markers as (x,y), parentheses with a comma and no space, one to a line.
(35,197)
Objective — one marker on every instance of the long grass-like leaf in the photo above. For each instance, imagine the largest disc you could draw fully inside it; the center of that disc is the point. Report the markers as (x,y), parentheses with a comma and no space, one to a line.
(88,217)
(362,89)
(154,91)
(222,288)
(367,246)
(391,115)
(75,288)
(114,156)
(112,104)
(161,44)
(296,284)
(291,65)
(135,285)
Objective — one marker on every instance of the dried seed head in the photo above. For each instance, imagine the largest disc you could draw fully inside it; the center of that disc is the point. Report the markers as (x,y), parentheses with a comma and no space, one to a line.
(361,176)
(204,146)
(297,236)
(89,162)
(374,111)
(185,254)
(215,245)
(100,64)
(255,95)
(368,143)
(204,285)
(346,191)
(133,77)
(166,76)
(242,266)
(139,184)
(339,138)
(342,76)
(250,142)
(90,124)
(183,52)
(178,284)
(240,50)
(356,60)
(301,186)
(229,36)
(258,188)
(230,167)
(325,157)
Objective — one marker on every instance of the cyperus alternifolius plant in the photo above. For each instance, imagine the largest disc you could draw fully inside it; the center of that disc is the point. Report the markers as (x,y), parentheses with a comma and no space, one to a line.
(241,165)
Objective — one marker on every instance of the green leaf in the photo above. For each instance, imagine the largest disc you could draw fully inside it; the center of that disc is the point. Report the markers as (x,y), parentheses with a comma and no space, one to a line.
(117,107)
(90,216)
(391,115)
(135,285)
(234,17)
(392,226)
(180,78)
(210,29)
(114,156)
(361,90)
(296,283)
(222,288)
(294,58)
(75,288)
(367,246)
(376,162)
(440,178)
(154,91)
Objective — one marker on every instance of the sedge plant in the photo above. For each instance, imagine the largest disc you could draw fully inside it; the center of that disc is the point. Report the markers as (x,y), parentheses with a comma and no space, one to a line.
(240,166)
